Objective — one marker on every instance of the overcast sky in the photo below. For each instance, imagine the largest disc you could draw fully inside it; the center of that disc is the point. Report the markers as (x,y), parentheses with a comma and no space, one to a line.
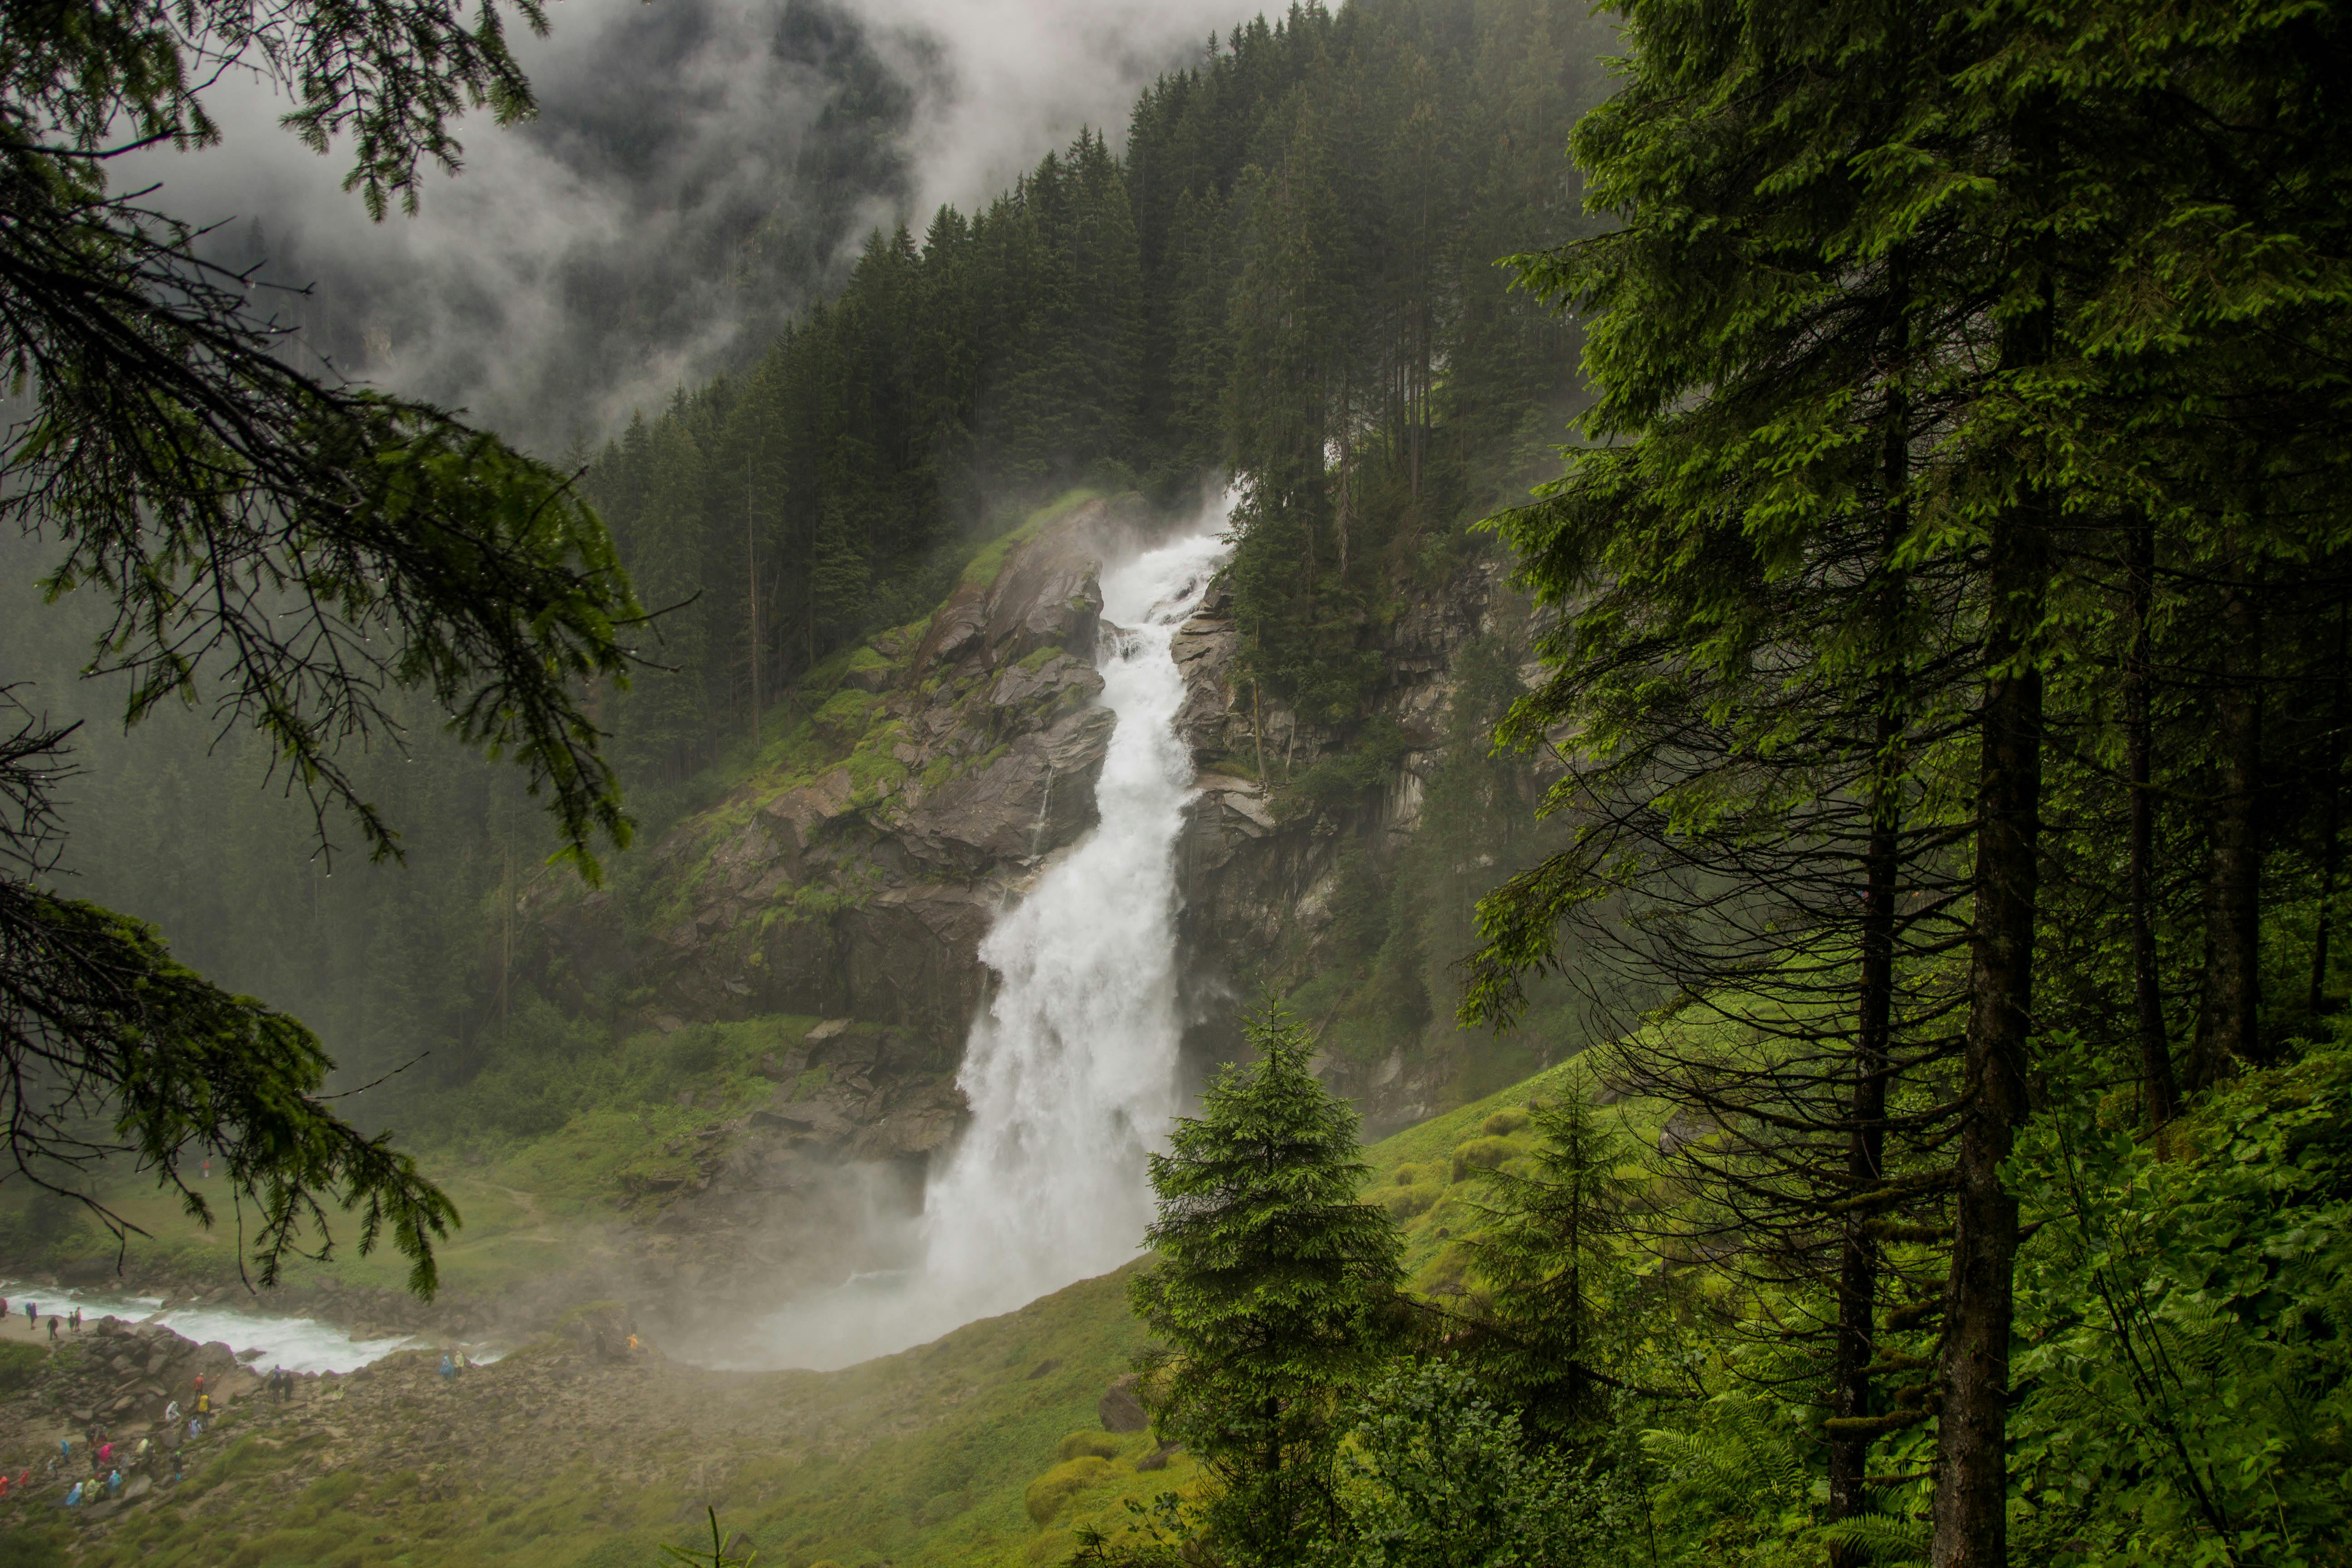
(696,167)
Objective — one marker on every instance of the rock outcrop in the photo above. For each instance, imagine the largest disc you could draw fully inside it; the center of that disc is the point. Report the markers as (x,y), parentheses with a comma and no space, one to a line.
(967,750)
(1256,871)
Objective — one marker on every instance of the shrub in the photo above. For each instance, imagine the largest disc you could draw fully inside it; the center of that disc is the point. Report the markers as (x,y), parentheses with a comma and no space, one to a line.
(1482,1154)
(1412,1176)
(1101,1444)
(1403,1203)
(1048,1493)
(19,1362)
(1504,1122)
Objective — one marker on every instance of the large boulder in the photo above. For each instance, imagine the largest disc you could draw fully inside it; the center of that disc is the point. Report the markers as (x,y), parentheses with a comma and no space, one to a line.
(1121,1408)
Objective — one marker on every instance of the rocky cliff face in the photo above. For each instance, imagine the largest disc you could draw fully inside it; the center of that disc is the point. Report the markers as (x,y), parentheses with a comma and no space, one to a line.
(1257,871)
(939,769)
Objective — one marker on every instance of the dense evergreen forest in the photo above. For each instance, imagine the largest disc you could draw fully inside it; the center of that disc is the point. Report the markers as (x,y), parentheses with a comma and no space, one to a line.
(1289,276)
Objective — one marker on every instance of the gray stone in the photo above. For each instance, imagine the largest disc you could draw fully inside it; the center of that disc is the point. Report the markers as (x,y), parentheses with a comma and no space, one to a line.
(1120,1407)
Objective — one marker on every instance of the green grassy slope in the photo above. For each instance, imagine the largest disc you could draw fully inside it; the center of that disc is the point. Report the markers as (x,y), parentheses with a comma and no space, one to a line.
(981,1448)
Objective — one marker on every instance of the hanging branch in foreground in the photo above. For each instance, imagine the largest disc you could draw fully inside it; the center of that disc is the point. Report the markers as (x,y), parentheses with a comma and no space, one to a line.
(286,550)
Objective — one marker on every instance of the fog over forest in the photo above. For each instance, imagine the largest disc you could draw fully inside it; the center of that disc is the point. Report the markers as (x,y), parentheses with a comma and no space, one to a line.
(699,172)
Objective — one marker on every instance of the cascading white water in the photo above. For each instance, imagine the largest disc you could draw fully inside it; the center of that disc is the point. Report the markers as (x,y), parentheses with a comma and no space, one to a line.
(1071,1070)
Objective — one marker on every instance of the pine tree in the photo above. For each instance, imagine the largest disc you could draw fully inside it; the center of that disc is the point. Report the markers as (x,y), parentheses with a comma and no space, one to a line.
(1271,1293)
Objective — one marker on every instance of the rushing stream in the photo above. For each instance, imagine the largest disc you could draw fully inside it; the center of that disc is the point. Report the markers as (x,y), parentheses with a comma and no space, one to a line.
(1071,1070)
(298,1344)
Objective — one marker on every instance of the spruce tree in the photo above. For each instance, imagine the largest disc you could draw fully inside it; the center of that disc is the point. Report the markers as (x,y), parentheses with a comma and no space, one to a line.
(1271,1294)
(1553,1263)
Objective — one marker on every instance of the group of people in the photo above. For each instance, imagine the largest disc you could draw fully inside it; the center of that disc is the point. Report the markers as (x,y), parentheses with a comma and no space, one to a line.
(32,1317)
(108,1460)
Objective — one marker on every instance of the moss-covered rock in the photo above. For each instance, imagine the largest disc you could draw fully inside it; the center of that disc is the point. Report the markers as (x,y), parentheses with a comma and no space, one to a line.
(1049,1493)
(1482,1154)
(1098,1445)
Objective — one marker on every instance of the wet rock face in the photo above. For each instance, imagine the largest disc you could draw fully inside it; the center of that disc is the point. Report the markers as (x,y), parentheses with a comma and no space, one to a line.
(1257,881)
(866,890)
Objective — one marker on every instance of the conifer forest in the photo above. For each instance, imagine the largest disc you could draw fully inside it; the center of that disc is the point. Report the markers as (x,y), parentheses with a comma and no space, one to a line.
(1514,784)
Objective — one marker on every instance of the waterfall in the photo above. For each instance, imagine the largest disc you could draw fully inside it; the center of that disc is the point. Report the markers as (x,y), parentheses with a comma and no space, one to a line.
(1071,1072)
(1071,1067)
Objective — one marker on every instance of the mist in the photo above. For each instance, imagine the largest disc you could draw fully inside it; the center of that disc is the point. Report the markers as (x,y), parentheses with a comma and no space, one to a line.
(699,173)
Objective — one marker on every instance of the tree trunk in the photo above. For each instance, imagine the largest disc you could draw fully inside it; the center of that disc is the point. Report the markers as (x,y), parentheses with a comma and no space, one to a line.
(752,588)
(2148,999)
(1858,1260)
(1971,1455)
(2229,1031)
(2331,826)
(1866,1163)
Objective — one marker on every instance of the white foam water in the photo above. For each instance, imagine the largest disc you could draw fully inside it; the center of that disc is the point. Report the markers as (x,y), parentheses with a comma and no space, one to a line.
(298,1344)
(1071,1069)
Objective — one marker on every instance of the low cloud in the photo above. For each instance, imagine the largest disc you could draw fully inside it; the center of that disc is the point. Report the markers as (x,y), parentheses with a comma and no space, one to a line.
(699,172)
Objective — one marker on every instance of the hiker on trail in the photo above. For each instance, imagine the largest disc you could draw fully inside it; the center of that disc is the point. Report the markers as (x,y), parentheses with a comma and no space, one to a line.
(632,1344)
(74,1321)
(4,1306)
(200,1383)
(53,1328)
(175,1464)
(171,1414)
(114,1483)
(73,1497)
(106,1454)
(195,1430)
(32,1315)
(204,1403)
(65,1449)
(448,1370)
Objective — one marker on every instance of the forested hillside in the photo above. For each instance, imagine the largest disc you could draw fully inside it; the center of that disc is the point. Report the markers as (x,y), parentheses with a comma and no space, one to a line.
(1946,690)
(1294,254)
(1288,275)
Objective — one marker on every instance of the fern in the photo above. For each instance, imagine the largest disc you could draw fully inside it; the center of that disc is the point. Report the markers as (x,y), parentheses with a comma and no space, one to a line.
(1880,1538)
